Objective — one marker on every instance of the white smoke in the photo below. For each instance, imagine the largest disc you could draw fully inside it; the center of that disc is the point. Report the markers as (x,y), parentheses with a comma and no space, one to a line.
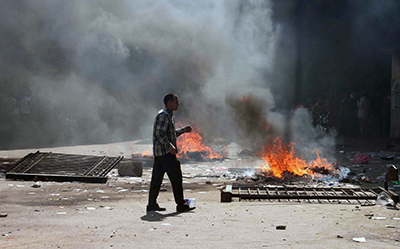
(102,67)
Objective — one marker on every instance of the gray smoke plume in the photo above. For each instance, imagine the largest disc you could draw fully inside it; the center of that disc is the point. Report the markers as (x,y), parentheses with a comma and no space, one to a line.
(98,69)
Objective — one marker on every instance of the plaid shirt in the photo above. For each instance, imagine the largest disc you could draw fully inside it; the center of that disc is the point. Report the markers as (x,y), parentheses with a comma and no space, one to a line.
(164,133)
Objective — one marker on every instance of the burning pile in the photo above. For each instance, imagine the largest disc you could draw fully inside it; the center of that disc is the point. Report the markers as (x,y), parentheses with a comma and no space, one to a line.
(190,146)
(280,161)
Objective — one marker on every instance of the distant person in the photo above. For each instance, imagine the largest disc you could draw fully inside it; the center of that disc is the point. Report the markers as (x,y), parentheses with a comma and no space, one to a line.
(26,110)
(363,114)
(165,161)
(349,116)
(319,109)
(11,108)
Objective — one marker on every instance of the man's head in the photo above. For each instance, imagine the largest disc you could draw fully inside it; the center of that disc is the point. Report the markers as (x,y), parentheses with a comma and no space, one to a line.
(171,101)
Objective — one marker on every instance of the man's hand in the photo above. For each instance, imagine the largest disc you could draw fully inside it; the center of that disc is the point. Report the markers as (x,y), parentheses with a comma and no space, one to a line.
(172,150)
(187,129)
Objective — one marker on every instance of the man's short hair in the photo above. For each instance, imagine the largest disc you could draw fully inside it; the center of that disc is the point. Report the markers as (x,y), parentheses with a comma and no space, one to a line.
(168,97)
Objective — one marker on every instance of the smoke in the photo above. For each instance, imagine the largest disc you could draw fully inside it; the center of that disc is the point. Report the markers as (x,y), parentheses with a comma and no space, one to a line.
(307,137)
(98,70)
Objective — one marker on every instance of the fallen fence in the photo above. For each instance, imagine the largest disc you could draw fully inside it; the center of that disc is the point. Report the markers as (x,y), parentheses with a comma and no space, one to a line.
(292,193)
(49,166)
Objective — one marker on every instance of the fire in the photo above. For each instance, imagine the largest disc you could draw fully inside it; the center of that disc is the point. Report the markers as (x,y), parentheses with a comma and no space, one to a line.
(193,142)
(147,152)
(280,158)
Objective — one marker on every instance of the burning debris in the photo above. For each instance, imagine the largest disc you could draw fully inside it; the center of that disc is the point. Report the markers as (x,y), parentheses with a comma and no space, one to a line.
(280,161)
(191,147)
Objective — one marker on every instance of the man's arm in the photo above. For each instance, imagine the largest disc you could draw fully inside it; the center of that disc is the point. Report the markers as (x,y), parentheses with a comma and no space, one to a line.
(180,131)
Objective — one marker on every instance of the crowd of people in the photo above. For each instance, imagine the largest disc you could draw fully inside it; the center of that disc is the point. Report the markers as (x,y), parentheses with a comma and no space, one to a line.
(355,115)
(17,110)
(24,119)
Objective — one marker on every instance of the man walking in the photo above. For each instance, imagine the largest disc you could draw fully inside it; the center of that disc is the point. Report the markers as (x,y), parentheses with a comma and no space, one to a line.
(165,161)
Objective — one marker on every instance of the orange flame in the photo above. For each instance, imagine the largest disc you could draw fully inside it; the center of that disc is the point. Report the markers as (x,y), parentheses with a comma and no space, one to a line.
(147,152)
(279,158)
(193,142)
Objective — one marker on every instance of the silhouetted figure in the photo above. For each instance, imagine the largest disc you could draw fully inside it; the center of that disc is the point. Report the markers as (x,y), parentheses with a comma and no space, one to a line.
(363,114)
(349,115)
(319,109)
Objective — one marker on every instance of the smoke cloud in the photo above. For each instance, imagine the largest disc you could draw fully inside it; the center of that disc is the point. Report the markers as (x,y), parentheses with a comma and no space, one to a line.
(98,70)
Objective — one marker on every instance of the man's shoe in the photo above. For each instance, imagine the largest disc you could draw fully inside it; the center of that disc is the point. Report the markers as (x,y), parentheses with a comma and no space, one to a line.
(184,208)
(154,208)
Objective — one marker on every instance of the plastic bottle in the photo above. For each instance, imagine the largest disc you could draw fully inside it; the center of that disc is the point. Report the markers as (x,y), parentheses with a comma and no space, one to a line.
(191,202)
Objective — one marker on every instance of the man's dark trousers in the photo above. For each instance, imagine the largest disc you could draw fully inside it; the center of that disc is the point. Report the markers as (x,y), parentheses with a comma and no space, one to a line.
(166,164)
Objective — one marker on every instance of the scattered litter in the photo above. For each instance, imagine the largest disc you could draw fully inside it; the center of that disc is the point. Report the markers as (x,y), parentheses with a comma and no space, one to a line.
(54,194)
(202,192)
(339,236)
(141,190)
(396,218)
(32,193)
(165,224)
(90,208)
(109,208)
(61,212)
(381,177)
(190,201)
(187,190)
(360,240)
(390,226)
(361,159)
(387,157)
(3,215)
(20,186)
(379,218)
(122,190)
(36,185)
(281,227)
(100,191)
(384,199)
(105,197)
(6,234)
(10,185)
